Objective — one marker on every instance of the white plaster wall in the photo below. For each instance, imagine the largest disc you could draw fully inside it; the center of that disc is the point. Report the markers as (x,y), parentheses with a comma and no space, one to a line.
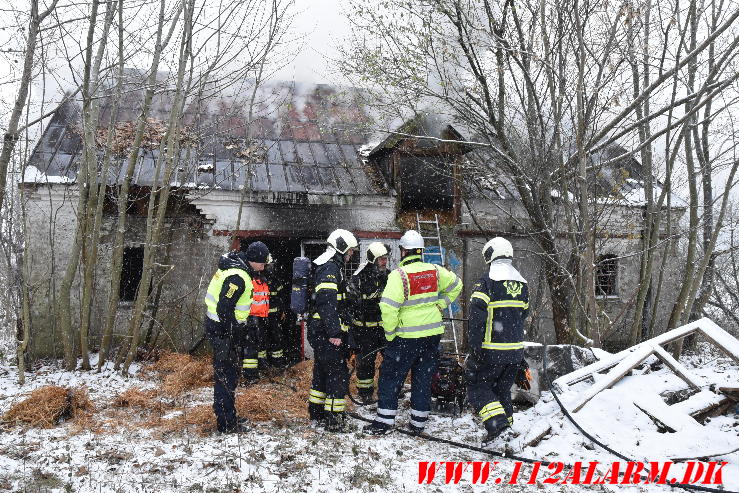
(51,221)
(621,225)
(297,213)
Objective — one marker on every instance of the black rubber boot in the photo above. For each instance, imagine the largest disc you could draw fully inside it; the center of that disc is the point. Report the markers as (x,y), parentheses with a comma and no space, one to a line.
(316,414)
(249,379)
(239,427)
(335,422)
(366,398)
(494,426)
(376,428)
(416,430)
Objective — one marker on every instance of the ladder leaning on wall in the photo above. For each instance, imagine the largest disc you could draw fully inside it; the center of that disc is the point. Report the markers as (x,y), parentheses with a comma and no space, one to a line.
(430,232)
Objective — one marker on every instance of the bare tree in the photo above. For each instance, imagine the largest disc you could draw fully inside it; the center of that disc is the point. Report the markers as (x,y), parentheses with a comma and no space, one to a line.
(540,87)
(10,137)
(160,45)
(253,49)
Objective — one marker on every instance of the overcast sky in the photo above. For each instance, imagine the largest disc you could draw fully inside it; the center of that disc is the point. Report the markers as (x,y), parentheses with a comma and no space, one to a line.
(324,25)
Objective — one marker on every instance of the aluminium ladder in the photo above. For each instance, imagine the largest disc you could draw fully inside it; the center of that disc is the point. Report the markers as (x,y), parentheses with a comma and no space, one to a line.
(433,233)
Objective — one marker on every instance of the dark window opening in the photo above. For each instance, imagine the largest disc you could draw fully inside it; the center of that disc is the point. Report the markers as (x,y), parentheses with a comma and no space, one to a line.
(313,250)
(131,272)
(352,265)
(606,273)
(426,183)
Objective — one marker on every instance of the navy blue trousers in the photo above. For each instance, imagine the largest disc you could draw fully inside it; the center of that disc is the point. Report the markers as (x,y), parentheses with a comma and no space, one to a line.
(225,378)
(489,389)
(330,376)
(369,342)
(420,357)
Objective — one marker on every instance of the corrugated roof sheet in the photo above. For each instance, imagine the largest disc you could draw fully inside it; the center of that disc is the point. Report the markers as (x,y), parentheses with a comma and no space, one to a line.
(300,138)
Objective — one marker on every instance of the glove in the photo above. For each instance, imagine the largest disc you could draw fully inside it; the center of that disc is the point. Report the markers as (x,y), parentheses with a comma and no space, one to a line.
(523,377)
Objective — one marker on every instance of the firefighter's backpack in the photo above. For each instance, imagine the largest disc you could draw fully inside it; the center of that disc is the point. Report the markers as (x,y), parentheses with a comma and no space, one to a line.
(300,294)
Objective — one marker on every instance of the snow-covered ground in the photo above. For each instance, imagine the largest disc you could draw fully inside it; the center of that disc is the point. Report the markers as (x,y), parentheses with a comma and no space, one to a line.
(294,457)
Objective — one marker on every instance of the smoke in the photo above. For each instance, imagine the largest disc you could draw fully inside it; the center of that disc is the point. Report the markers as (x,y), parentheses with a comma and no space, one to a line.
(320,26)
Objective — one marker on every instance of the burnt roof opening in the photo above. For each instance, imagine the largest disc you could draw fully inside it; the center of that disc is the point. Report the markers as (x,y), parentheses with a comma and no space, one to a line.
(426,183)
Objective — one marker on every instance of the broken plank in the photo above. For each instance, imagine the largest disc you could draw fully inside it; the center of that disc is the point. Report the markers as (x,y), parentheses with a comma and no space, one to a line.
(536,434)
(585,372)
(616,374)
(700,402)
(720,338)
(704,454)
(671,418)
(678,368)
(730,392)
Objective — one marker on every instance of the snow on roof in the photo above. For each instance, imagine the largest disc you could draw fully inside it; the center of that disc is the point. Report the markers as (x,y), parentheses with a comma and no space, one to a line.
(33,175)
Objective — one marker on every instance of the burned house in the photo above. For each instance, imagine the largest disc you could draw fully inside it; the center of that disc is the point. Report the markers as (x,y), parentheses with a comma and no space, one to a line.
(285,168)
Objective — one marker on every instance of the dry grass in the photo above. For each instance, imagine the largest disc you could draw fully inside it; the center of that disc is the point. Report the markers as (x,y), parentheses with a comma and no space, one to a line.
(200,417)
(281,399)
(45,407)
(137,398)
(182,372)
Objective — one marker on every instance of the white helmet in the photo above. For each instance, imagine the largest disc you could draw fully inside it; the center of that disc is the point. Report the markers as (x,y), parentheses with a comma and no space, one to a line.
(497,248)
(411,240)
(376,250)
(342,240)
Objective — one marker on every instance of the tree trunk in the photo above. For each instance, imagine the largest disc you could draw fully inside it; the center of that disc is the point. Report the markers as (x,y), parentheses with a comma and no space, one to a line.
(118,240)
(161,198)
(10,138)
(96,193)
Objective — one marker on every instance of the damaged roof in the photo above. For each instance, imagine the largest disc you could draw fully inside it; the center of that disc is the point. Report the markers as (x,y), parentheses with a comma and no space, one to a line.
(293,138)
(426,128)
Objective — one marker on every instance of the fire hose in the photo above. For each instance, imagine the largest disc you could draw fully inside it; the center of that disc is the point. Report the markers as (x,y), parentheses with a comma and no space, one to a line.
(527,460)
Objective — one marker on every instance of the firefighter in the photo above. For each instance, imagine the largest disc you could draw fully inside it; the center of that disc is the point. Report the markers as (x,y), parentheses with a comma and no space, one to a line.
(255,349)
(228,304)
(498,306)
(275,346)
(327,333)
(411,305)
(364,290)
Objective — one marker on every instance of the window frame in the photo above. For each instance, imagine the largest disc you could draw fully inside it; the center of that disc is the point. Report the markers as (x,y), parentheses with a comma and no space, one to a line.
(606,267)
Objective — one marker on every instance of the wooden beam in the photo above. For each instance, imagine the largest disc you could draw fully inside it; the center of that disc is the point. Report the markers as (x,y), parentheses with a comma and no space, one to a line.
(678,368)
(616,374)
(707,327)
(670,418)
(721,339)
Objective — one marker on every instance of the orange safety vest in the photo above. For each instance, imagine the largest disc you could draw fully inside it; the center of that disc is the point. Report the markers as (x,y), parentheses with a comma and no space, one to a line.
(260,299)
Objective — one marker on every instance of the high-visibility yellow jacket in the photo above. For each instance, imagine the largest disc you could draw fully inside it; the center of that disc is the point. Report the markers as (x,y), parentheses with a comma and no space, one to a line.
(229,295)
(414,296)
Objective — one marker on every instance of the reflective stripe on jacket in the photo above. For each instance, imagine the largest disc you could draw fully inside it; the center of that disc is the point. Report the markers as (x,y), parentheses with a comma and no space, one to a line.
(260,302)
(329,299)
(414,296)
(274,297)
(243,304)
(497,313)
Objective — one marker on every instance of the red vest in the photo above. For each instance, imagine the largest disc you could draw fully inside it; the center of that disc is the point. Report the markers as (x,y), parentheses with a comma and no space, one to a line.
(260,301)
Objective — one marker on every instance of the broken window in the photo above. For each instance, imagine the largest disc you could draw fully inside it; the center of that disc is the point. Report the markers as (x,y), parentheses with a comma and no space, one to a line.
(606,273)
(131,272)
